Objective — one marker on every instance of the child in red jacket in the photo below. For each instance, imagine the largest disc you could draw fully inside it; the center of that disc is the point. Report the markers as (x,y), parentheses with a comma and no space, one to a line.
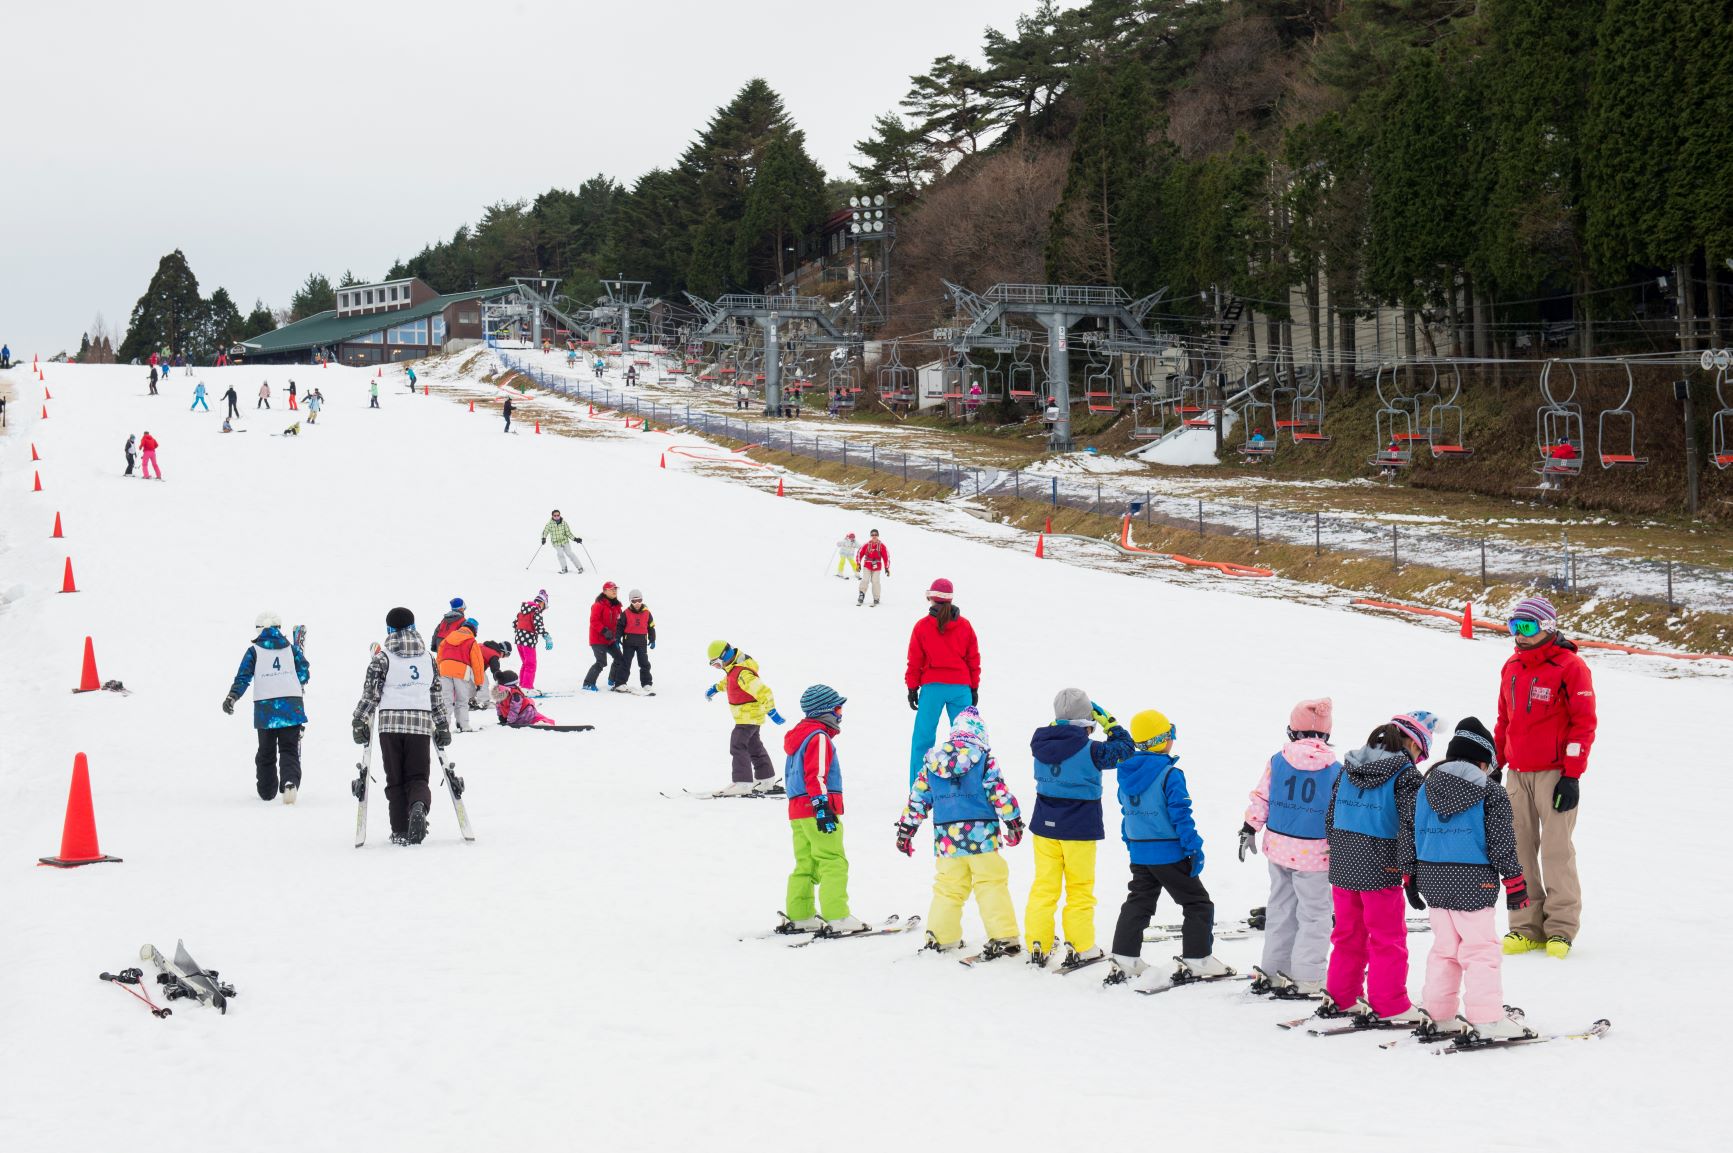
(812,775)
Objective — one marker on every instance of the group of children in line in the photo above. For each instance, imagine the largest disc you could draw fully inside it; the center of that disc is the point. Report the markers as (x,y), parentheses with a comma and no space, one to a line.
(1347,840)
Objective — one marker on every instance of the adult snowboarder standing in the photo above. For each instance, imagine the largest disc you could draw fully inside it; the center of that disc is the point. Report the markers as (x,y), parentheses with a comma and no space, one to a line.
(1546,725)
(559,534)
(276,669)
(402,688)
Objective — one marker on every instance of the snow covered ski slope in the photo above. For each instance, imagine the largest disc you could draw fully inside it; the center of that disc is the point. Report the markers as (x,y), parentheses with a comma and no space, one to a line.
(576,977)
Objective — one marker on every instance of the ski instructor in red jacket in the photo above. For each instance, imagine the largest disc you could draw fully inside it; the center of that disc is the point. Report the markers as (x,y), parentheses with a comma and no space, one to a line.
(1546,725)
(944,670)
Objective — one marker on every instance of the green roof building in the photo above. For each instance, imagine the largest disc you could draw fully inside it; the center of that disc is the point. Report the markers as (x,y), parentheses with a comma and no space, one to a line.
(377,324)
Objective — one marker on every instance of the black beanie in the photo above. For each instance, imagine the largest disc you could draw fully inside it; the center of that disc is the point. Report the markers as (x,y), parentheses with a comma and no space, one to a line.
(1471,742)
(399,618)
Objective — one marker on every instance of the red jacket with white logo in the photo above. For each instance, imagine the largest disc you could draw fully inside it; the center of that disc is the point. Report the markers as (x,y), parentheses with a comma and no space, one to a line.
(1546,710)
(874,556)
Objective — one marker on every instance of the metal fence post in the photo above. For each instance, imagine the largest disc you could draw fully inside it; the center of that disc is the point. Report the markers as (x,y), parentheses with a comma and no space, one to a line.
(845,454)
(875,458)
(1017,483)
(1317,534)
(1395,556)
(905,468)
(1257,526)
(1483,565)
(1055,491)
(1148,506)
(1200,516)
(1669,586)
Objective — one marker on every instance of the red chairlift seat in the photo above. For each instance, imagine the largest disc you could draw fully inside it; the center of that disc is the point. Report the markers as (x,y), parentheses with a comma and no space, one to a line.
(1450,451)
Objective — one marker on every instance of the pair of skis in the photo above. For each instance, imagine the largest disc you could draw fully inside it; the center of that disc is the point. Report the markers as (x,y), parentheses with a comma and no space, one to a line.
(453,784)
(892,926)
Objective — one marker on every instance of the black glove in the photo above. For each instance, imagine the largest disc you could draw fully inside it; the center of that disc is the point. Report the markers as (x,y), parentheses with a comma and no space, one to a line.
(1412,888)
(1564,795)
(229,704)
(914,698)
(822,814)
(442,736)
(1248,840)
(974,697)
(359,730)
(579,539)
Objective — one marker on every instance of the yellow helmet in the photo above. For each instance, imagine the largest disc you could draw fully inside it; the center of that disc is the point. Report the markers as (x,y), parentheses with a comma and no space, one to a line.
(1152,731)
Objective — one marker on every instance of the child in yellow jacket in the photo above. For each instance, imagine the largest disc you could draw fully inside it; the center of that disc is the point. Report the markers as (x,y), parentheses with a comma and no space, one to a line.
(751,701)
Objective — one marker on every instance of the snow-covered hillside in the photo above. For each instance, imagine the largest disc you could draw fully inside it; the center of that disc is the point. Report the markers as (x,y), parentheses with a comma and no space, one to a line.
(575,977)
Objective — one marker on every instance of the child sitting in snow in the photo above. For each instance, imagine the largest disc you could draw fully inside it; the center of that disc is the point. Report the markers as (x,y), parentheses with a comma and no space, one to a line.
(1166,853)
(1288,805)
(959,783)
(513,705)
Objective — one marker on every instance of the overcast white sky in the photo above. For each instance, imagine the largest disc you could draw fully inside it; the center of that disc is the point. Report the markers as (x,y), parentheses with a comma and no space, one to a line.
(268,141)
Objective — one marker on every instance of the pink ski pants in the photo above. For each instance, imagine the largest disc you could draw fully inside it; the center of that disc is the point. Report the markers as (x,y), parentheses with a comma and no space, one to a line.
(1369,950)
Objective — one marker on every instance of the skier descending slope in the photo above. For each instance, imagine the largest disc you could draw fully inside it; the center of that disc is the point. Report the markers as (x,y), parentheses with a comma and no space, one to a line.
(276,670)
(813,778)
(560,533)
(402,688)
(751,701)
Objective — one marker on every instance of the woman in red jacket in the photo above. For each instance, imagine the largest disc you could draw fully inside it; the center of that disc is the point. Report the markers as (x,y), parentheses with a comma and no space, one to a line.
(605,613)
(147,451)
(944,670)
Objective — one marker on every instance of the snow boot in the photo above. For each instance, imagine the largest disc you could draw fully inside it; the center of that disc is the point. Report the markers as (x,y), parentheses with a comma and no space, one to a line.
(1503,1029)
(1200,967)
(1263,984)
(807,925)
(1557,946)
(1431,1026)
(1410,1017)
(1042,958)
(1328,1009)
(768,787)
(1001,947)
(417,824)
(1300,990)
(1123,969)
(736,789)
(591,689)
(1515,943)
(843,927)
(1075,960)
(933,944)
(289,792)
(859,600)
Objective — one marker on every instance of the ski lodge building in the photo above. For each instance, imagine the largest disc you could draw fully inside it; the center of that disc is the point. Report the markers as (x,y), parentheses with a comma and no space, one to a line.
(378,324)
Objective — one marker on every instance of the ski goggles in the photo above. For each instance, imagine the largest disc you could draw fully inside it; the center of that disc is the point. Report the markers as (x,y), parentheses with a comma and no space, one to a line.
(1168,737)
(1523,627)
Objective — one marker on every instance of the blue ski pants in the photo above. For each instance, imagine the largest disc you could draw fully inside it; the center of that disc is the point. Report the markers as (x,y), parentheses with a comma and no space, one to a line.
(952,699)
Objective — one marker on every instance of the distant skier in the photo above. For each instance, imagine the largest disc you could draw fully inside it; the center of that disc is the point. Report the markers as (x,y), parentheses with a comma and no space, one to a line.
(846,550)
(373,393)
(402,687)
(872,560)
(234,402)
(199,397)
(153,380)
(130,441)
(527,629)
(5,356)
(506,410)
(751,701)
(631,375)
(605,612)
(264,396)
(559,534)
(637,638)
(291,396)
(315,402)
(147,453)
(277,670)
(411,373)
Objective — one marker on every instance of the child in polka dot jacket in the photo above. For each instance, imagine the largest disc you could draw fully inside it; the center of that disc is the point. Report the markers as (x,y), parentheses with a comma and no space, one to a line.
(1371,812)
(1462,844)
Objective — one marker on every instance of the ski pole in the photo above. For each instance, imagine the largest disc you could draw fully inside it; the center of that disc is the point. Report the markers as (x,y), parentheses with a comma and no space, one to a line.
(587,555)
(536,554)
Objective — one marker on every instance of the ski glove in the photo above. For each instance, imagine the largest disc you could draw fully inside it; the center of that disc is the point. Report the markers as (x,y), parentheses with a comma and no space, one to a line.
(1102,717)
(1248,840)
(544,540)
(1412,887)
(822,815)
(548,643)
(579,539)
(359,729)
(1564,795)
(652,646)
(229,704)
(1013,832)
(905,841)
(974,697)
(776,717)
(914,698)
(709,692)
(1515,893)
(442,736)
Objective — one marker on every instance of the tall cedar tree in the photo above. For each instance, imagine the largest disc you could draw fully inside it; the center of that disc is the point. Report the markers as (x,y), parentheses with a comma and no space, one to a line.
(168,312)
(785,204)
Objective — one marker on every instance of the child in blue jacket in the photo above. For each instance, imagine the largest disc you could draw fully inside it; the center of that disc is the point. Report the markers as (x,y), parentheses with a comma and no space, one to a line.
(1067,824)
(1166,853)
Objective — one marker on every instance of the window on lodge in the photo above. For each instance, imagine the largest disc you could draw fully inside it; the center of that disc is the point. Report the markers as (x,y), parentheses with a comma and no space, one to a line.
(370,338)
(439,330)
(414,332)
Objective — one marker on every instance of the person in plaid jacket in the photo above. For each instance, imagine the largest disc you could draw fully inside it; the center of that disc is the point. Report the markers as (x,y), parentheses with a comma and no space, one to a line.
(404,693)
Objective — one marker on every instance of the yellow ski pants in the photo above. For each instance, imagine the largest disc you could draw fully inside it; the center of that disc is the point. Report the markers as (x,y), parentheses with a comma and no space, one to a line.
(1067,866)
(987,876)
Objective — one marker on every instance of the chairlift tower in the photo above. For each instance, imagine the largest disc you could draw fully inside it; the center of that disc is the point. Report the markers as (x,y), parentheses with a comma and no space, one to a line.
(871,223)
(537,289)
(1057,307)
(624,296)
(770,313)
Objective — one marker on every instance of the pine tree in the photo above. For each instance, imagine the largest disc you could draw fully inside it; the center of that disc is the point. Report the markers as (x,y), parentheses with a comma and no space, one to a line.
(259,321)
(785,203)
(167,313)
(896,164)
(312,298)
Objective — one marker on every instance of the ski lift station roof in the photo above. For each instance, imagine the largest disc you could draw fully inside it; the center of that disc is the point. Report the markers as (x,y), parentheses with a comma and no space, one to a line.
(337,327)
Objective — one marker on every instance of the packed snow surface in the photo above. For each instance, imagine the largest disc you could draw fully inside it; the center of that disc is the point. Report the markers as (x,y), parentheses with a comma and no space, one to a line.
(575,977)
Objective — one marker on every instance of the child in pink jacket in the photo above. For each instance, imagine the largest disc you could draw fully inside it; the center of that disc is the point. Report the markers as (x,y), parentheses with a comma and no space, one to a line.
(513,705)
(1288,805)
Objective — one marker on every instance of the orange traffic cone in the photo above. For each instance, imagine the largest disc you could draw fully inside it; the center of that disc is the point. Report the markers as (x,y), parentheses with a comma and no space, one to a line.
(33,455)
(379,371)
(38,487)
(424,390)
(78,845)
(778,486)
(1047,525)
(45,412)
(472,406)
(663,462)
(88,681)
(1468,621)
(1041,545)
(46,395)
(67,585)
(56,531)
(538,428)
